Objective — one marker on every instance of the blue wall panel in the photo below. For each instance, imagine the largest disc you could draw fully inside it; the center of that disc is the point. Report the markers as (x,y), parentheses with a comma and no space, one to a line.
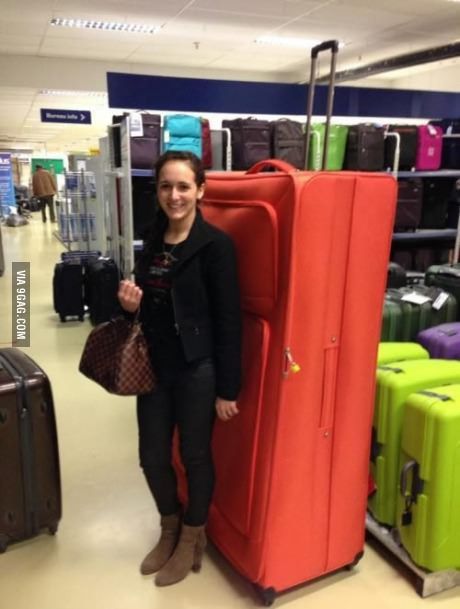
(142,92)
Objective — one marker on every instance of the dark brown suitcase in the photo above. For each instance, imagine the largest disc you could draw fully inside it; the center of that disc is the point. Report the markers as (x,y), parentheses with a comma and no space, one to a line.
(30,488)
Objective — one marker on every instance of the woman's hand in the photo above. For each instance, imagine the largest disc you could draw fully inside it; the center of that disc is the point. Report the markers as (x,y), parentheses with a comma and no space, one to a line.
(129,296)
(226,409)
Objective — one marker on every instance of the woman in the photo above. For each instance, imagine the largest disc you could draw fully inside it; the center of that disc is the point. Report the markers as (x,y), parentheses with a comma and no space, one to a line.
(187,291)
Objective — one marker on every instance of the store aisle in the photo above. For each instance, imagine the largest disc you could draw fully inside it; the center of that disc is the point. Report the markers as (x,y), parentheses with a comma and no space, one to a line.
(109,522)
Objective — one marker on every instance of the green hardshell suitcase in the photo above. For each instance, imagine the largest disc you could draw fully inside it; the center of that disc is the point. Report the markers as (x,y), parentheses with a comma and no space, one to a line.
(336,150)
(428,504)
(394,385)
(405,320)
(399,352)
(447,277)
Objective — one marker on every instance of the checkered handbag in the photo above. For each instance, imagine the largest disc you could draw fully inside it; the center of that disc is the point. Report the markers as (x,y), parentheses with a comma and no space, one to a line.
(116,357)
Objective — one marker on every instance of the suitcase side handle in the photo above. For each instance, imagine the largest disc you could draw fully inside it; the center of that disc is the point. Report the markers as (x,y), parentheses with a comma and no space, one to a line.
(271,164)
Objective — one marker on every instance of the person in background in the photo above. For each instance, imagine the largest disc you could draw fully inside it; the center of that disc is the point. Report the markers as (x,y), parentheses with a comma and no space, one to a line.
(44,188)
(187,295)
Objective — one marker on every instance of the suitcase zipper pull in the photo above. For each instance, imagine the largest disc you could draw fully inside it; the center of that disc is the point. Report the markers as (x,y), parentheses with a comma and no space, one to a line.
(290,365)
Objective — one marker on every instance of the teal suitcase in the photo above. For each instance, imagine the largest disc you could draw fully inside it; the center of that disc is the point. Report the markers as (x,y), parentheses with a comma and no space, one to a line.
(428,505)
(399,352)
(394,385)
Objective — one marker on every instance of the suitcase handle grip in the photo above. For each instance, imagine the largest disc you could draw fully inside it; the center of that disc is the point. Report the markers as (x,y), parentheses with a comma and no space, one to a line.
(328,45)
(404,476)
(273,164)
(417,483)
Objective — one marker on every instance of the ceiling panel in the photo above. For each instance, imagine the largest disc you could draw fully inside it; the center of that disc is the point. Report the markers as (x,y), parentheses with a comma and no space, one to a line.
(225,32)
(276,8)
(408,7)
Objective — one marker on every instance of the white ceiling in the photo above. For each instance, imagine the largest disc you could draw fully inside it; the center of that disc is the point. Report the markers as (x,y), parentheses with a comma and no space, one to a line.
(212,38)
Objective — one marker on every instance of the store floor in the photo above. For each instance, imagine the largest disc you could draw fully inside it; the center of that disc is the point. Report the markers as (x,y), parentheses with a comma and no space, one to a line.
(109,521)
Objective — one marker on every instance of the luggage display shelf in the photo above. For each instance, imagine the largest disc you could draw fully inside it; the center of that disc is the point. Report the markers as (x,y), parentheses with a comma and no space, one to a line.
(426,583)
(142,173)
(440,173)
(443,234)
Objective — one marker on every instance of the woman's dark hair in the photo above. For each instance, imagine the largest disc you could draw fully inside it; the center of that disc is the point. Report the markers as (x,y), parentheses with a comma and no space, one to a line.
(155,232)
(191,159)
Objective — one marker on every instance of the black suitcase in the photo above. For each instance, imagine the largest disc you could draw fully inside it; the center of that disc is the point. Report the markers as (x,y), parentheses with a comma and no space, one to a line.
(450,158)
(68,293)
(396,277)
(288,142)
(437,192)
(407,147)
(30,488)
(101,283)
(250,141)
(409,204)
(144,204)
(365,148)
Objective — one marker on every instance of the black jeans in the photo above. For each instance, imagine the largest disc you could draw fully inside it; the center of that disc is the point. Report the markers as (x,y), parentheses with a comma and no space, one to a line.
(47,201)
(187,400)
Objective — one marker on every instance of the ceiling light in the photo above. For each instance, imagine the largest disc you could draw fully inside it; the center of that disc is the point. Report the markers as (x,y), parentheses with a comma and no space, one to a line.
(73,93)
(105,25)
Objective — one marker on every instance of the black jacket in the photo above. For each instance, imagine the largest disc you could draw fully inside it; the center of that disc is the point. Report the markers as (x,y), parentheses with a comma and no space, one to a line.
(206,303)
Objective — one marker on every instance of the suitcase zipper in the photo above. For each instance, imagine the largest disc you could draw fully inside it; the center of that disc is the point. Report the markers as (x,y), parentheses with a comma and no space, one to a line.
(25,430)
(290,366)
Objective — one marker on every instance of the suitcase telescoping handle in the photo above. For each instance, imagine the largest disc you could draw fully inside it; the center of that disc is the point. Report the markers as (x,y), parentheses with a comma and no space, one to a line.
(333,46)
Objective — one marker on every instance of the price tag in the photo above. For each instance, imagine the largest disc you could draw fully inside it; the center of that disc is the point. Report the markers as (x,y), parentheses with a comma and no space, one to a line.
(415,298)
(135,121)
(440,301)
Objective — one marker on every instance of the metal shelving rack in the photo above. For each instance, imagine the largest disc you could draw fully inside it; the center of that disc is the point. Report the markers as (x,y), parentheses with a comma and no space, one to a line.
(76,218)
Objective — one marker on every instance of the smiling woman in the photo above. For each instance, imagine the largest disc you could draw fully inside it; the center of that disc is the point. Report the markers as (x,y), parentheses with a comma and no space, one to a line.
(187,292)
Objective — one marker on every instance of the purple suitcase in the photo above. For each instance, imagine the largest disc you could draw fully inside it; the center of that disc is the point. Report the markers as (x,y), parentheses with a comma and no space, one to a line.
(429,148)
(442,342)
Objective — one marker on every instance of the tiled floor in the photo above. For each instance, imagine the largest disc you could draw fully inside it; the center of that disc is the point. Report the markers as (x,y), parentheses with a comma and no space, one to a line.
(109,521)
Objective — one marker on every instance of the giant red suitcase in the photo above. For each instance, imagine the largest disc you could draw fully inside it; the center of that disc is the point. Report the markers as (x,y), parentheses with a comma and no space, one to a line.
(292,467)
(30,489)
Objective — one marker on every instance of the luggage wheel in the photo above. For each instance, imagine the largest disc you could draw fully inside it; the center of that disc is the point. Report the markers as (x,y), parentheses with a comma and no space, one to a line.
(3,543)
(267,595)
(353,564)
(53,528)
(62,318)
(80,318)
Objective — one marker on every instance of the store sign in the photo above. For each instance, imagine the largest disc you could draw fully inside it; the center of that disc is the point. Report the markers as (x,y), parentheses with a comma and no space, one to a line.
(52,115)
(6,180)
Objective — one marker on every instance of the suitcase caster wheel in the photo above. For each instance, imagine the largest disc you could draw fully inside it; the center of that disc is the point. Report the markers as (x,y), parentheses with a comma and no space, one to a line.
(353,564)
(80,318)
(53,528)
(62,318)
(267,595)
(3,544)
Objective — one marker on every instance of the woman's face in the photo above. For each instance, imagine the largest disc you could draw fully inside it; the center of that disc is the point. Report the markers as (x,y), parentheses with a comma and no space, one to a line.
(177,190)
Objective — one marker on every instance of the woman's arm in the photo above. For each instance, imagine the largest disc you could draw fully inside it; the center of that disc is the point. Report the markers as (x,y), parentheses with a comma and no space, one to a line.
(224,298)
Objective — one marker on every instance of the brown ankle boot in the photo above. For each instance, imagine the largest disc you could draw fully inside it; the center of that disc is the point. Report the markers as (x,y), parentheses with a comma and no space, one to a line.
(187,556)
(159,556)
